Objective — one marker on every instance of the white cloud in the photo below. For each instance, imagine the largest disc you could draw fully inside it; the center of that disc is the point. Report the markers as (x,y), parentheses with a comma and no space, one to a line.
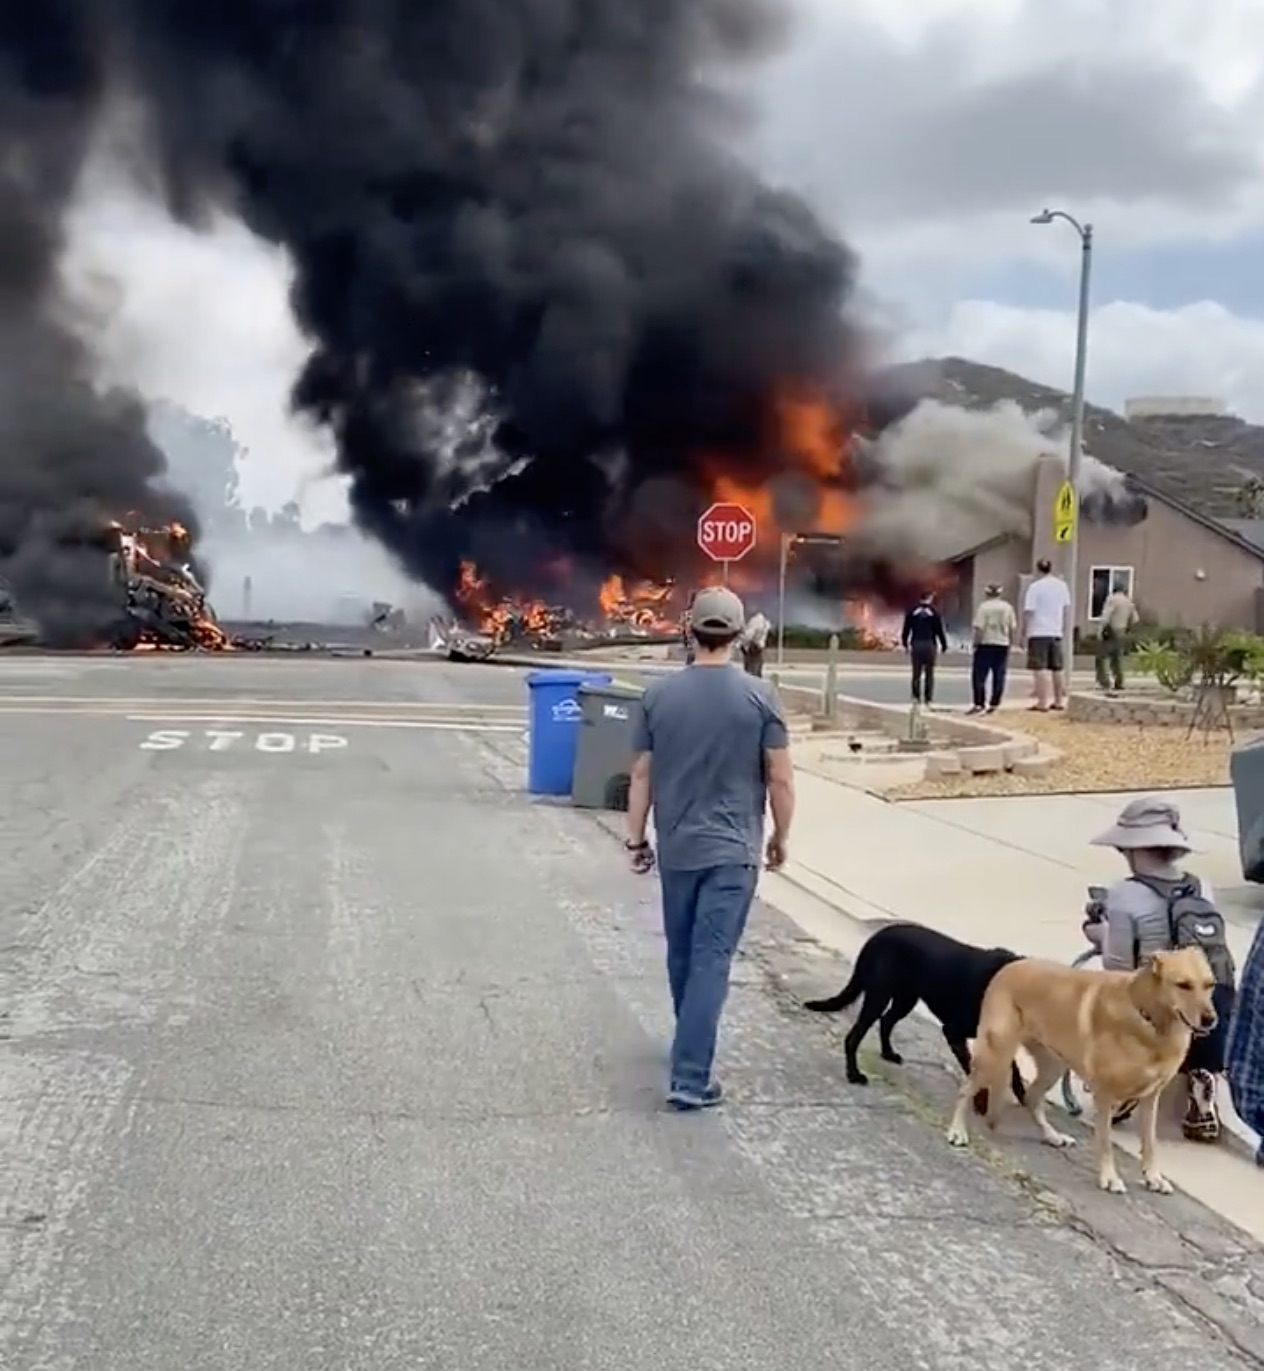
(933,129)
(1201,350)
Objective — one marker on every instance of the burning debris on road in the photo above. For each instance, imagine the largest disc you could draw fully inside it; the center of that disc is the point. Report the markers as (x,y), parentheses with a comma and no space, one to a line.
(149,599)
(619,610)
(164,604)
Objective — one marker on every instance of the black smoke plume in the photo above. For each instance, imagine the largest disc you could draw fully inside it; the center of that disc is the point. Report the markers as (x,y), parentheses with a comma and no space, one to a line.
(72,457)
(534,193)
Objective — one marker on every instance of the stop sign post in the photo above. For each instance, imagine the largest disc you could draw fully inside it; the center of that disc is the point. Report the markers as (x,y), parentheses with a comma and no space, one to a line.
(726,533)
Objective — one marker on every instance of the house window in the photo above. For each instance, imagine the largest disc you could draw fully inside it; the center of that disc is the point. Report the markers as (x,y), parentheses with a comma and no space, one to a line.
(1104,581)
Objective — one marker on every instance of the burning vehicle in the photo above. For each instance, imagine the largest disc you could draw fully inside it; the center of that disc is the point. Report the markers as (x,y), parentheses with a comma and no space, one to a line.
(150,598)
(164,605)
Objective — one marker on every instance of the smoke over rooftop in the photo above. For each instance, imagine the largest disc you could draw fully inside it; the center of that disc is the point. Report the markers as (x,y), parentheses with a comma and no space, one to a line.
(946,479)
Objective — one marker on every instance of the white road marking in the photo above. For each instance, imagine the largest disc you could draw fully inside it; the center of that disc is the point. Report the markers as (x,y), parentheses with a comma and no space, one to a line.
(451,725)
(325,742)
(219,740)
(259,702)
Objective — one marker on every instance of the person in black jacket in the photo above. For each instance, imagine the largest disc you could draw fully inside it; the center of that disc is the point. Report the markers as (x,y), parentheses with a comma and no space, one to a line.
(924,639)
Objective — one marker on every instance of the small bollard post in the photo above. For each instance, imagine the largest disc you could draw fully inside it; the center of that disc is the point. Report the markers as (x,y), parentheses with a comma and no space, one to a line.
(917,730)
(830,702)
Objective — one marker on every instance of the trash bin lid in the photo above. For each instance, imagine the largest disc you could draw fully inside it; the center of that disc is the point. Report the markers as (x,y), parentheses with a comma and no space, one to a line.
(563,676)
(612,690)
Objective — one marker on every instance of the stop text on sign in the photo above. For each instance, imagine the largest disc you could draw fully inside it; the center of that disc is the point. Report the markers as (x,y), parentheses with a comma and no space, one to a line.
(727,532)
(222,739)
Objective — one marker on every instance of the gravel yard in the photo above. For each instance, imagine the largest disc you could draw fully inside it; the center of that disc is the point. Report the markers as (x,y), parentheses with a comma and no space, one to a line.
(1096,757)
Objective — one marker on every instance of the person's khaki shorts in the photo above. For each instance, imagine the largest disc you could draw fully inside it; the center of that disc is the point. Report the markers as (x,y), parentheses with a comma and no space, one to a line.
(1044,654)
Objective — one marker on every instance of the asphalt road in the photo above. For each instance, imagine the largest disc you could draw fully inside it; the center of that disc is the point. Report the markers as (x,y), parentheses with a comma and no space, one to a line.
(891,685)
(326,1050)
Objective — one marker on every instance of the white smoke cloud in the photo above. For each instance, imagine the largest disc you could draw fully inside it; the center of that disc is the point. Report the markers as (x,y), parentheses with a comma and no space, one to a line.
(328,576)
(953,478)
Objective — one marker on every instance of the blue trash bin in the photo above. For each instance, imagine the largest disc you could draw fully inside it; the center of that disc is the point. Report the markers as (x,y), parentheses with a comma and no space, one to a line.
(553,737)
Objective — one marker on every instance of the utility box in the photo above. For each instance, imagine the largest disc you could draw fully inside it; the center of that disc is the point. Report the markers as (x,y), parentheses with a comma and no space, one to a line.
(1246,771)
(603,756)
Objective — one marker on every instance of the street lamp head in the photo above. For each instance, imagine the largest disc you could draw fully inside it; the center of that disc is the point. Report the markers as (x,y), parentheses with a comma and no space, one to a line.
(1044,217)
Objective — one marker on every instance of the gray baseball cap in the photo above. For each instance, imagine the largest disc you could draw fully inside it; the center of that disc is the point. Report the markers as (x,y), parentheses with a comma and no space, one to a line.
(719,610)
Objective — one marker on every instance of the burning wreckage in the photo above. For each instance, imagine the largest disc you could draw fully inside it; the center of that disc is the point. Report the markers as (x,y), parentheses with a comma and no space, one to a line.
(161,604)
(624,612)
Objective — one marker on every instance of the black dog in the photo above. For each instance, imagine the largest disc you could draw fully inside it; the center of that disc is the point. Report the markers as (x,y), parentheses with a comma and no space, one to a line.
(904,963)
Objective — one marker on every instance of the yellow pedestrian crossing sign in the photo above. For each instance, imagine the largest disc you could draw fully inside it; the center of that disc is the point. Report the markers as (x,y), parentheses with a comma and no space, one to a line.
(1064,512)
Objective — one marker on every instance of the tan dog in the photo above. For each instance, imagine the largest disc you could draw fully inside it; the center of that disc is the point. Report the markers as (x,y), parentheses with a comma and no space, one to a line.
(1125,1034)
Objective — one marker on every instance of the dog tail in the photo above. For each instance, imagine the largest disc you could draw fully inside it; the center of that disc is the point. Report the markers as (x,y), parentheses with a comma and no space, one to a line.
(845,998)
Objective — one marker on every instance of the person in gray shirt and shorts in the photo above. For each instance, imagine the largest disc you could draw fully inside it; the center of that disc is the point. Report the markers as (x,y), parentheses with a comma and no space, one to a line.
(712,752)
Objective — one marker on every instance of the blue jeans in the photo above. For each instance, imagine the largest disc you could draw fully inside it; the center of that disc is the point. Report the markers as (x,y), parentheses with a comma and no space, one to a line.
(704,916)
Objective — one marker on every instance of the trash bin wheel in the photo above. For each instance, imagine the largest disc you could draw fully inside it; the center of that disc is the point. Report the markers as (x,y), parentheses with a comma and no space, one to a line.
(617,789)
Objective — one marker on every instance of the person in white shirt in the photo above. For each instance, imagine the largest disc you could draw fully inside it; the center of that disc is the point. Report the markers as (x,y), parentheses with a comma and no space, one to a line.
(754,642)
(1044,628)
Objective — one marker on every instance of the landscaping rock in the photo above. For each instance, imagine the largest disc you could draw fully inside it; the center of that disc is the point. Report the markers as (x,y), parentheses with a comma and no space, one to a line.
(978,760)
(943,765)
(1033,766)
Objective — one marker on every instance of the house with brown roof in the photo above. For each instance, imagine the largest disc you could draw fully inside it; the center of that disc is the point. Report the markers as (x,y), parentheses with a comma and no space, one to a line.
(1198,555)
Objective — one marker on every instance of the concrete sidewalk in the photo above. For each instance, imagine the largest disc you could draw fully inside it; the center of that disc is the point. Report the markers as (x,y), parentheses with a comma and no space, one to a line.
(1013,872)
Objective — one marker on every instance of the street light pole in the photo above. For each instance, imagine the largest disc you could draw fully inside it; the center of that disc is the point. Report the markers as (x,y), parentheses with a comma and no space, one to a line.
(786,540)
(1075,459)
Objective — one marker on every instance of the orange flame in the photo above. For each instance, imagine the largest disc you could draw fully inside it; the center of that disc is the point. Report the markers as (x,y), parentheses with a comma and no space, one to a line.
(640,606)
(501,617)
(809,436)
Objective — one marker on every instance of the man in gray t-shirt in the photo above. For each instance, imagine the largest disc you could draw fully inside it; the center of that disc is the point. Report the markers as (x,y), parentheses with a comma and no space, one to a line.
(712,753)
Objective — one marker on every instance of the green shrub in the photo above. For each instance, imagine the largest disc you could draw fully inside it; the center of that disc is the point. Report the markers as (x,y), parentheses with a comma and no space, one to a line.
(800,637)
(1208,657)
(1144,632)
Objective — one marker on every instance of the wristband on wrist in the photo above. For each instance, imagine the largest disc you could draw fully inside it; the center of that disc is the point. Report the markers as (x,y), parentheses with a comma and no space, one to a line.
(636,847)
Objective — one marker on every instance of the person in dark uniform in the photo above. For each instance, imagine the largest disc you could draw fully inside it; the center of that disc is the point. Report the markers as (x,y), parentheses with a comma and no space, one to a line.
(923,638)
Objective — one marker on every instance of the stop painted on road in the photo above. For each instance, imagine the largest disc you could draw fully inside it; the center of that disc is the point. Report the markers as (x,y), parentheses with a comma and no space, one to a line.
(241,740)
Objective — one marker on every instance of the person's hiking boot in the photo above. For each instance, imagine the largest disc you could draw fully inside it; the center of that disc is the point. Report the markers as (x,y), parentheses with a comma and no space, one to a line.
(1202,1118)
(683,1099)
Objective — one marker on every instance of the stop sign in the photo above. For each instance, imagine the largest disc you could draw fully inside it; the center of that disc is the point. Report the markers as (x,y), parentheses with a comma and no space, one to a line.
(726,532)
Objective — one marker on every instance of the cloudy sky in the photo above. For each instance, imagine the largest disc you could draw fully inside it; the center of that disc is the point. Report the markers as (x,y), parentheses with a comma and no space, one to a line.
(928,132)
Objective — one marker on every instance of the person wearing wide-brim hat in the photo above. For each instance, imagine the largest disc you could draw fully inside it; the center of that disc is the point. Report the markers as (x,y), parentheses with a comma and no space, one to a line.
(1139,921)
(994,629)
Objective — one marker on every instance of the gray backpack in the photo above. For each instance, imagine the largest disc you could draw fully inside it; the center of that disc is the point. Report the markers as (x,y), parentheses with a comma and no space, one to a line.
(1193,921)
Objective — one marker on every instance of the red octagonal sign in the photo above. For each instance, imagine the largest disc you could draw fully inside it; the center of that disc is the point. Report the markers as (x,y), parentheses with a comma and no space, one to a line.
(726,532)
